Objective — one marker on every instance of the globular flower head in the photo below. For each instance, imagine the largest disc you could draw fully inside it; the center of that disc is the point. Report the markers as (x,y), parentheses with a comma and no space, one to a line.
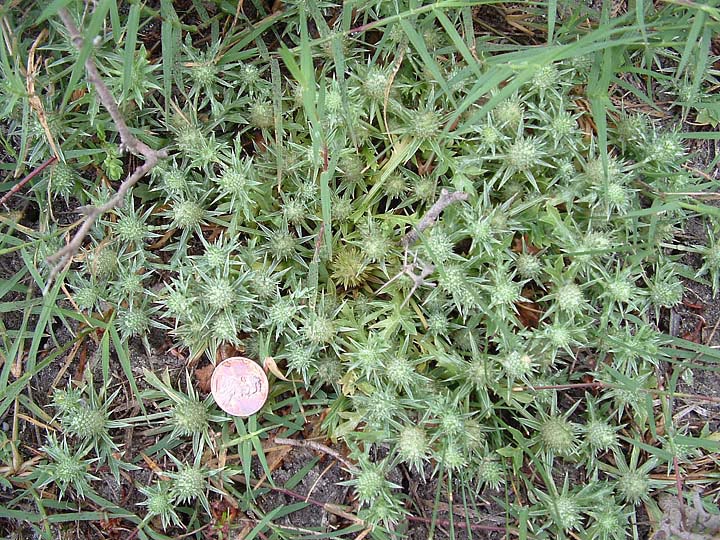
(380,408)
(395,186)
(438,323)
(413,446)
(566,512)
(451,455)
(558,436)
(174,181)
(400,372)
(103,262)
(375,83)
(370,483)
(545,78)
(188,483)
(666,150)
(249,74)
(490,471)
(424,188)
(600,435)
(294,211)
(348,267)
(509,114)
(528,266)
(133,321)
(282,245)
(204,73)
(424,124)
(190,416)
(262,115)
(517,365)
(219,293)
(190,139)
(87,295)
(634,486)
(187,213)
(439,245)
(86,422)
(62,179)
(319,330)
(569,297)
(666,290)
(523,154)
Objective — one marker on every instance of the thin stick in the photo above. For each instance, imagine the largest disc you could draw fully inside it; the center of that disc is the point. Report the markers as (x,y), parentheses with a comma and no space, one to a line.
(17,187)
(127,142)
(320,448)
(431,216)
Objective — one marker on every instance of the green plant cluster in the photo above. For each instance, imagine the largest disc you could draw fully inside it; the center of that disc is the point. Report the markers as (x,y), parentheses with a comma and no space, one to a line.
(277,223)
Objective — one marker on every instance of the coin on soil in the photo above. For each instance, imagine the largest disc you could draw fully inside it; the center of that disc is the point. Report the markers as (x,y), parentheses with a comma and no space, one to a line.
(239,386)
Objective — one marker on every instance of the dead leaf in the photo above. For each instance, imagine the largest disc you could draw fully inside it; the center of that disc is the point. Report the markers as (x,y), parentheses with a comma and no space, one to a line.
(203,376)
(522,244)
(270,365)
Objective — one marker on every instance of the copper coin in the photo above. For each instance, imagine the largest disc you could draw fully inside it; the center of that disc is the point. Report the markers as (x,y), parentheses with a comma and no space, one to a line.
(239,386)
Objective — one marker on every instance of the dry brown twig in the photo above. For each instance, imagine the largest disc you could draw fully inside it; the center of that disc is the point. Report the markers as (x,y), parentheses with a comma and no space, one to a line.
(428,220)
(127,142)
(431,216)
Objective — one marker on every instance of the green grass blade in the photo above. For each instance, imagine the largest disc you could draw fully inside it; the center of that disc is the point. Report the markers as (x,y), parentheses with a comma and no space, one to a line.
(130,41)
(93,30)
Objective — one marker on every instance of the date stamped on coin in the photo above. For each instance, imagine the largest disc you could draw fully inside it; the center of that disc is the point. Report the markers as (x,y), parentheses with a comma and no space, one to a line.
(239,386)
